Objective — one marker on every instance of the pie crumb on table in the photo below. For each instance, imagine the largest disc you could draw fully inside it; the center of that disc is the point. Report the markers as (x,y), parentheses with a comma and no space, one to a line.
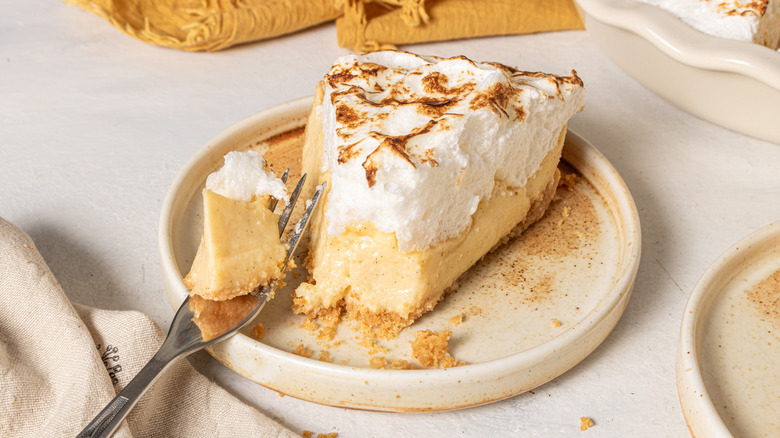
(585,423)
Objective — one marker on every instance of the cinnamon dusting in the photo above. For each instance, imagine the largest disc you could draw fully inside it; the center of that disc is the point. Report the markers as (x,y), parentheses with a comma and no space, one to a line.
(765,297)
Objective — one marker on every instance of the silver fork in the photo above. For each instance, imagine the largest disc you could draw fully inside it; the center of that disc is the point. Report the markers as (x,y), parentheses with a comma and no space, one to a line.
(184,336)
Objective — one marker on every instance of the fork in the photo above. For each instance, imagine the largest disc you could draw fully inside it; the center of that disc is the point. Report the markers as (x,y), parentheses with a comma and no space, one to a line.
(185,337)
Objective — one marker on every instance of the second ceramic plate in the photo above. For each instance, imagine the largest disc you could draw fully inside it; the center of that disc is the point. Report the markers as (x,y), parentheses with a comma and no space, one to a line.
(728,366)
(523,315)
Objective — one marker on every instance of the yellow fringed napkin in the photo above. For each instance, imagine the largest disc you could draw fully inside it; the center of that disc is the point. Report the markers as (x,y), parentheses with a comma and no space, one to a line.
(209,24)
(380,24)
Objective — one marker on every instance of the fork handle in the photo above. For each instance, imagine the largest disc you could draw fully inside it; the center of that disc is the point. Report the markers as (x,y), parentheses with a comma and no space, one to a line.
(109,419)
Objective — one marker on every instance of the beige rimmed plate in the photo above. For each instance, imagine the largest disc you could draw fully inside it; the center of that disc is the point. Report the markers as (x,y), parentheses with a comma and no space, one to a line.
(728,365)
(530,311)
(734,84)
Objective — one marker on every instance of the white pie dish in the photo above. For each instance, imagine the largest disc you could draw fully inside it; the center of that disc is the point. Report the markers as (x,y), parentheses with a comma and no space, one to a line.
(503,363)
(734,84)
(728,364)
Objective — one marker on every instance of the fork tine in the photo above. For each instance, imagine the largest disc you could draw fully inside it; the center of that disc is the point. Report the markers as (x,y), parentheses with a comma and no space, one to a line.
(285,217)
(274,201)
(300,227)
(269,289)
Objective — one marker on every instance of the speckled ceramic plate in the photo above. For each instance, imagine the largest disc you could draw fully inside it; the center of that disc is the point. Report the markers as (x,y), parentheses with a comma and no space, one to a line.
(728,366)
(734,84)
(530,310)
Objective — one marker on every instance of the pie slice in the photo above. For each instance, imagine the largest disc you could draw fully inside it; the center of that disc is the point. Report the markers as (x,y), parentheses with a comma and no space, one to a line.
(430,164)
(240,249)
(754,21)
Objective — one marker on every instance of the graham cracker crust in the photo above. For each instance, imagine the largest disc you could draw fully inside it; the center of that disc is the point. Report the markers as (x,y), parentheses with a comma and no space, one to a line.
(386,324)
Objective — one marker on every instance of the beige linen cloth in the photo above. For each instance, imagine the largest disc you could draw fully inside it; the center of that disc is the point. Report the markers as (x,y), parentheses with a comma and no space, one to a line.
(60,364)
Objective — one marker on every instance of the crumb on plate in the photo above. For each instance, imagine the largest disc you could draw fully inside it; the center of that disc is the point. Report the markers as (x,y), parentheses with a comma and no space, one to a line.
(568,180)
(430,349)
(326,334)
(302,351)
(372,345)
(308,324)
(258,332)
(383,363)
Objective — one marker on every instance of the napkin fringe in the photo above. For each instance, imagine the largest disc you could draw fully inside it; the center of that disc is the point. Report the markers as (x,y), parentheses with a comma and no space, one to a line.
(355,18)
(369,25)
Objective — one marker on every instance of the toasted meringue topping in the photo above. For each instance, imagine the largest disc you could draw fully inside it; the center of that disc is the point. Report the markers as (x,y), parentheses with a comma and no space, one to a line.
(733,19)
(245,176)
(414,143)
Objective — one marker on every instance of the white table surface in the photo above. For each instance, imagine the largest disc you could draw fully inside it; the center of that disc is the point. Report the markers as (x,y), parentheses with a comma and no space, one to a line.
(94,126)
